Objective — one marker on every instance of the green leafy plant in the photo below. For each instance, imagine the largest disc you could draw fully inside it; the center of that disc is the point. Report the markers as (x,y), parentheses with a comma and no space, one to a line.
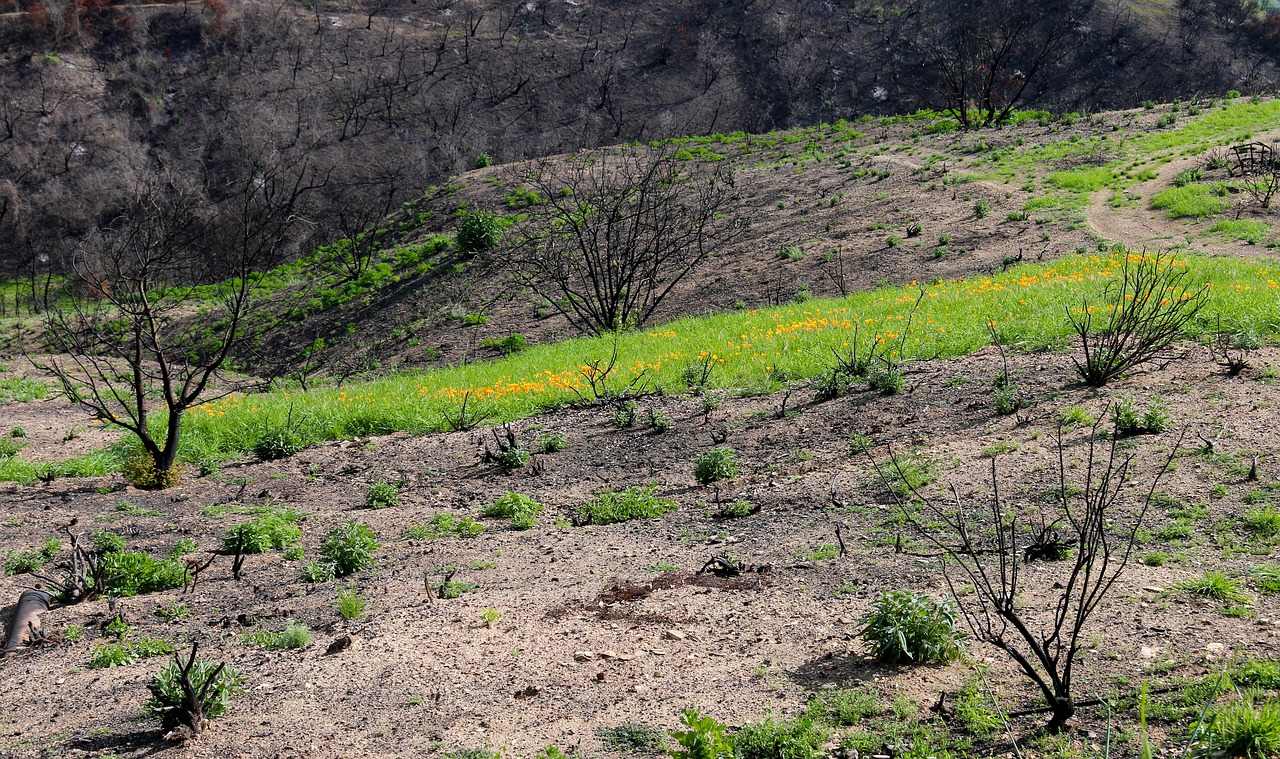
(490,617)
(174,611)
(349,548)
(704,738)
(522,510)
(657,420)
(444,525)
(1266,577)
(1076,416)
(29,560)
(716,464)
(795,739)
(907,626)
(625,416)
(845,707)
(381,495)
(637,502)
(316,571)
(129,573)
(981,208)
(509,345)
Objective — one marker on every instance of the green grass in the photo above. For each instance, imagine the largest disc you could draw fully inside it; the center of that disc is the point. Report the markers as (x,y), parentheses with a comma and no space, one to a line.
(21,390)
(1252,232)
(1217,586)
(748,348)
(1191,201)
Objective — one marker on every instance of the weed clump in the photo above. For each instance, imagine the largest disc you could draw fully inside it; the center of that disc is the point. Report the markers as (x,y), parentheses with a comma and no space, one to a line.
(444,525)
(349,548)
(294,635)
(129,573)
(637,502)
(381,495)
(273,530)
(522,510)
(21,561)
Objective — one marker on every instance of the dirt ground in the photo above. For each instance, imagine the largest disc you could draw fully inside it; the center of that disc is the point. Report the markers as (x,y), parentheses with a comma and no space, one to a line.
(567,656)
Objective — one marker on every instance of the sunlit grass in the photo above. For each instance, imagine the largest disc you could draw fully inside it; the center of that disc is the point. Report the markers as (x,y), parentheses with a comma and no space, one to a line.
(751,351)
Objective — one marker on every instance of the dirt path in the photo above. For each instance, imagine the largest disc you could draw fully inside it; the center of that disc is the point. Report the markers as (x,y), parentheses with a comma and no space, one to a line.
(1138,226)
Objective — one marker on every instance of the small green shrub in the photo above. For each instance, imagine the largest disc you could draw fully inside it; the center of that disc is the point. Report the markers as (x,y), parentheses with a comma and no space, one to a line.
(1187,176)
(111,655)
(479,231)
(887,380)
(381,495)
(167,692)
(509,345)
(705,738)
(454,588)
(273,530)
(716,464)
(349,548)
(513,457)
(522,510)
(637,502)
(316,571)
(182,547)
(657,420)
(278,443)
(294,635)
(483,161)
(350,605)
(907,626)
(625,416)
(981,208)
(1128,421)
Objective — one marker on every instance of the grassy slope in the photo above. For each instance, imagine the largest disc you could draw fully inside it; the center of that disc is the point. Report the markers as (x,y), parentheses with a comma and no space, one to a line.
(753,350)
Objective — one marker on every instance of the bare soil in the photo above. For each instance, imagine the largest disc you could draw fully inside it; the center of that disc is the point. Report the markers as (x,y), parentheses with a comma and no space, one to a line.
(582,641)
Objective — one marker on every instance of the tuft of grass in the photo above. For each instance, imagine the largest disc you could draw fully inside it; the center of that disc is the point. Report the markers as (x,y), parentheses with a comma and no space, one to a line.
(350,605)
(845,707)
(1215,585)
(1244,728)
(797,739)
(22,390)
(1266,577)
(1252,232)
(636,502)
(294,635)
(1263,521)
